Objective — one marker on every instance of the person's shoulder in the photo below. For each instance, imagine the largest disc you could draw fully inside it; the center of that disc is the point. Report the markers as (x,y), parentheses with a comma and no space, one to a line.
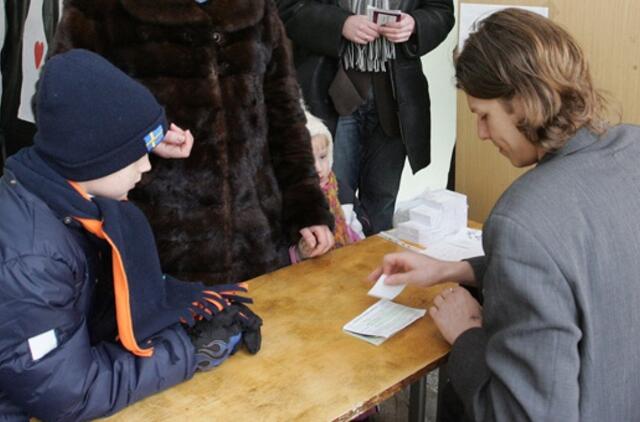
(28,227)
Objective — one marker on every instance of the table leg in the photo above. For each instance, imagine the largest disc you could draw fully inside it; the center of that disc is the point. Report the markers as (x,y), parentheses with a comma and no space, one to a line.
(418,400)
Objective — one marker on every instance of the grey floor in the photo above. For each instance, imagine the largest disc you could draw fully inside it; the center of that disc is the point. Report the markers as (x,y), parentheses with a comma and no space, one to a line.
(397,407)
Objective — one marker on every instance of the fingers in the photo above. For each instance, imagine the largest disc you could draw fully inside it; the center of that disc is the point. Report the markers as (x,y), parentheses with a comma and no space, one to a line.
(360,30)
(400,31)
(308,237)
(375,274)
(317,240)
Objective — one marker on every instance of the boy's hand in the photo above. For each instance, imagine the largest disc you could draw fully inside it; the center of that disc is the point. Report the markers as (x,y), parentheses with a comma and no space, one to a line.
(315,241)
(177,143)
(400,31)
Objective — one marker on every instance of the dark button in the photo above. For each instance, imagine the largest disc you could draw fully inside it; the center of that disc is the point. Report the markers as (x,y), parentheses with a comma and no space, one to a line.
(224,67)
(67,220)
(187,37)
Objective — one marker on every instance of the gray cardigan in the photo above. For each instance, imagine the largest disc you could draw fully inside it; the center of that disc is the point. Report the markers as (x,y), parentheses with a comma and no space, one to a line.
(561,334)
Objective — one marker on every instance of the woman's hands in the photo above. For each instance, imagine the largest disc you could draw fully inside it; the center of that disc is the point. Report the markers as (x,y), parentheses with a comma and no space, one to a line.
(421,270)
(455,311)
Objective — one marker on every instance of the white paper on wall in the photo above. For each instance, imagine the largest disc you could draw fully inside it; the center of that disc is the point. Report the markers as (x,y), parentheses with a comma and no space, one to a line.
(34,50)
(3,35)
(470,13)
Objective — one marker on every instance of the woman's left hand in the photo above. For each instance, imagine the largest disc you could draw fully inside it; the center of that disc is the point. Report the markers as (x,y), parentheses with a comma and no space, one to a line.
(177,143)
(455,311)
(400,31)
(316,241)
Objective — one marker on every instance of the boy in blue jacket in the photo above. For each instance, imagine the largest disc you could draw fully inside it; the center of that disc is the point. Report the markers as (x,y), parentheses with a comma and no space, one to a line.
(88,322)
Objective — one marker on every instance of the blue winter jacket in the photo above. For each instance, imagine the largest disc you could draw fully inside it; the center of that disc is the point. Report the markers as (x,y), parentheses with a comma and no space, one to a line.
(50,272)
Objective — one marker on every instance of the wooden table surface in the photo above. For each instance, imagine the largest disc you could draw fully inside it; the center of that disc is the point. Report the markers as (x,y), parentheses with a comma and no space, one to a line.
(308,368)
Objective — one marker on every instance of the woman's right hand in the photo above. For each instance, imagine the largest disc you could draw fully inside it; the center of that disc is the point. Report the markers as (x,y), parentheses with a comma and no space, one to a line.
(419,270)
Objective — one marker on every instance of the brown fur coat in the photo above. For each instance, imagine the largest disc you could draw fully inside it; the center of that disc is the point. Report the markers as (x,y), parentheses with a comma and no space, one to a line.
(223,70)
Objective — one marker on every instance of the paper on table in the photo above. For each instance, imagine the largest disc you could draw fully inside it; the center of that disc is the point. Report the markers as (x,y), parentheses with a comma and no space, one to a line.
(382,291)
(465,244)
(382,320)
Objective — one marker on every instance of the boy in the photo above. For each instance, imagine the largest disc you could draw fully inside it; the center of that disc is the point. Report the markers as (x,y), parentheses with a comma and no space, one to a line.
(78,264)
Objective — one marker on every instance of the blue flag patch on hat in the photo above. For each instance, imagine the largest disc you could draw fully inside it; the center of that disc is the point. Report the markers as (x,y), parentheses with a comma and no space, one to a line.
(154,137)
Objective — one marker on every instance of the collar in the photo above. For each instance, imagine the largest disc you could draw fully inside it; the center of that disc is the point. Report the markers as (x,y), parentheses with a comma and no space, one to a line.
(227,15)
(582,139)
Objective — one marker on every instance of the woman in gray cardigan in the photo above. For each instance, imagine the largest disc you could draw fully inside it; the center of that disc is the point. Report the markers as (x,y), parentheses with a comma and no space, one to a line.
(556,338)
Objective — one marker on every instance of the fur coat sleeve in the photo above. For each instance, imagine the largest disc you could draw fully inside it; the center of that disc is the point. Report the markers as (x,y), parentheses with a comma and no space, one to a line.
(304,203)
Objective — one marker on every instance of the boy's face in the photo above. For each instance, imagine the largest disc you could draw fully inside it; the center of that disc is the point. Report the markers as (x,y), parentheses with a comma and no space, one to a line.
(117,185)
(321,156)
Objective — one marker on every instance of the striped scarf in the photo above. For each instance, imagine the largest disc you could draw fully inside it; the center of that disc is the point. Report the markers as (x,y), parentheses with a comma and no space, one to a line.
(373,56)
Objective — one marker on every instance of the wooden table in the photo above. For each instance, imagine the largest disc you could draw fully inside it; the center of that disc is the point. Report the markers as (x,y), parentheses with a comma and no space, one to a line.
(308,368)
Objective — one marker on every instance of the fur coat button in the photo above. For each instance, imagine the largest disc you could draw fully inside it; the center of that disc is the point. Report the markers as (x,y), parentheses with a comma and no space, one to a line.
(186,36)
(217,37)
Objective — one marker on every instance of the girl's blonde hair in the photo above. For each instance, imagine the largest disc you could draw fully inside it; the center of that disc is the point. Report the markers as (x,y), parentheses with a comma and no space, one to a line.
(315,126)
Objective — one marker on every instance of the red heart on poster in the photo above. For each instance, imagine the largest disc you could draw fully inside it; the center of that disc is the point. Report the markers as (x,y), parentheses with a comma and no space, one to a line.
(38,53)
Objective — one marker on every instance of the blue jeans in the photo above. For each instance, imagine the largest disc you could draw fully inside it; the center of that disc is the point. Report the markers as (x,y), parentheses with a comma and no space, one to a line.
(369,162)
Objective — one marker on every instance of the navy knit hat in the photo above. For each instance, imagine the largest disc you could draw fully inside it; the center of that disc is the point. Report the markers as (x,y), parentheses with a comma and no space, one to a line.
(93,119)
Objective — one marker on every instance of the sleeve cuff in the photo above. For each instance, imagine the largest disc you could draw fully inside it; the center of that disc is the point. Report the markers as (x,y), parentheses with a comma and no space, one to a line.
(479,266)
(467,365)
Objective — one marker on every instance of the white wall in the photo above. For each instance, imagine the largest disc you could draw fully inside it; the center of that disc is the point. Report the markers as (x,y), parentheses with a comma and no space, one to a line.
(438,66)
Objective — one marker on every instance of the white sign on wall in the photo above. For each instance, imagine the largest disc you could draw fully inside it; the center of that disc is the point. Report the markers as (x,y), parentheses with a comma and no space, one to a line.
(471,13)
(34,51)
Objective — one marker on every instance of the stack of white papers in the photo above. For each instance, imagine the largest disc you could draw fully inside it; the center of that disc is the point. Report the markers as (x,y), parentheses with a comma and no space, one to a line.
(434,216)
(381,321)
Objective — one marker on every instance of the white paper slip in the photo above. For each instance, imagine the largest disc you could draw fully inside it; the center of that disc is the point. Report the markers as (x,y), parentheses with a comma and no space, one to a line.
(382,320)
(382,291)
(465,244)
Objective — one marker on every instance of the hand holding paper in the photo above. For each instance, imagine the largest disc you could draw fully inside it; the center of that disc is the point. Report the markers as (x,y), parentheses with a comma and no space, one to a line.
(385,291)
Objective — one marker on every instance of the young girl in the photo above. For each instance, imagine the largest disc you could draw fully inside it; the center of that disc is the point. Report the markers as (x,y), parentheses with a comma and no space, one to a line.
(342,202)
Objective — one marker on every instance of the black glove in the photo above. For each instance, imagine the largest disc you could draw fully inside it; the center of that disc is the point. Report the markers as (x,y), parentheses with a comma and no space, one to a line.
(219,337)
(250,324)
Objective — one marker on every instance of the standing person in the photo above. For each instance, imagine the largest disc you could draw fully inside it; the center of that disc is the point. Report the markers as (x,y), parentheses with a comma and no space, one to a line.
(15,132)
(222,69)
(90,324)
(556,337)
(367,80)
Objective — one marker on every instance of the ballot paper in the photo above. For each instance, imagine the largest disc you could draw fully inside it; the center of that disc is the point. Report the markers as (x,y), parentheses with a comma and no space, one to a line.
(383,291)
(381,16)
(466,243)
(381,321)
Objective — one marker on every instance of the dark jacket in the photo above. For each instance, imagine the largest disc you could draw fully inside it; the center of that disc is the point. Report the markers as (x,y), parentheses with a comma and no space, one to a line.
(52,277)
(315,27)
(224,70)
(16,133)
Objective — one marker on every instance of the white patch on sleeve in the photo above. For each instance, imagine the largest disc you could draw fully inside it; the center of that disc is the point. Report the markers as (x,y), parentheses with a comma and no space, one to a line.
(42,344)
